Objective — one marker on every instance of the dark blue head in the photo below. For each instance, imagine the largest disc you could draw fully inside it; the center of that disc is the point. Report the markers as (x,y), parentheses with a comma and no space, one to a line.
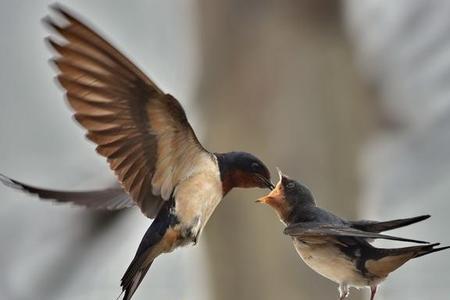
(242,169)
(296,193)
(287,197)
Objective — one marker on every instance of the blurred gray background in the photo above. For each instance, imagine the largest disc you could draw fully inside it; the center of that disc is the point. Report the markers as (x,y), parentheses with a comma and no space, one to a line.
(351,97)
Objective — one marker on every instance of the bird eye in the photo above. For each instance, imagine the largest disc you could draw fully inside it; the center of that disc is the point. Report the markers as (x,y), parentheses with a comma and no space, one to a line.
(255,166)
(290,185)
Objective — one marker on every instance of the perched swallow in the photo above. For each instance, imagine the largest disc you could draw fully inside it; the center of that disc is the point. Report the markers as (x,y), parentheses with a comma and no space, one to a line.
(148,142)
(338,249)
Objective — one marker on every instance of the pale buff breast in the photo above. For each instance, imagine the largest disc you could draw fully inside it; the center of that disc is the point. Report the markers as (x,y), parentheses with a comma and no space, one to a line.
(326,259)
(198,195)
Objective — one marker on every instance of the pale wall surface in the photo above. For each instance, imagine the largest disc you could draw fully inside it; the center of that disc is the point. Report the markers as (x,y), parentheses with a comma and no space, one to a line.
(403,50)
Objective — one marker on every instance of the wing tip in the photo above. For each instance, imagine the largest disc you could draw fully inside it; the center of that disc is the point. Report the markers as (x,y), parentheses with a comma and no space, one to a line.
(55,6)
(9,182)
(4,179)
(53,45)
(121,293)
(64,15)
(423,217)
(50,23)
(47,21)
(61,9)
(418,242)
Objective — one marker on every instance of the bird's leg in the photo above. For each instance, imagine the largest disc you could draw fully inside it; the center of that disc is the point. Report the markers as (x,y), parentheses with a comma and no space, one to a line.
(373,291)
(343,291)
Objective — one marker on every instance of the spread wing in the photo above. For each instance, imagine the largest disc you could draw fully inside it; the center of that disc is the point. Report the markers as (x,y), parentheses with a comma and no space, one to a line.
(317,230)
(377,226)
(143,133)
(109,199)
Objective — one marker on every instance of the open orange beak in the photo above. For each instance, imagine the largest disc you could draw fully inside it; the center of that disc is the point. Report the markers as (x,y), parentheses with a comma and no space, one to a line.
(276,195)
(263,199)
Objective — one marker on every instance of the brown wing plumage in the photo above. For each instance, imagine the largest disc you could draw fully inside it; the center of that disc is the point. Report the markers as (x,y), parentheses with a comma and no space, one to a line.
(143,133)
(312,229)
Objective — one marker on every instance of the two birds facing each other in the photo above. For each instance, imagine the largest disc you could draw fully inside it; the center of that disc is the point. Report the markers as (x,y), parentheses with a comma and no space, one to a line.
(163,169)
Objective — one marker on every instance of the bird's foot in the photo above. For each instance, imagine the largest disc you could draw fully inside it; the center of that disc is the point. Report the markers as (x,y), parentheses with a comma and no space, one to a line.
(373,291)
(343,291)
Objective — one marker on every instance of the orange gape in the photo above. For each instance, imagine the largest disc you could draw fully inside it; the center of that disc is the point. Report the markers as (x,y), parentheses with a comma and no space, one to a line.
(277,201)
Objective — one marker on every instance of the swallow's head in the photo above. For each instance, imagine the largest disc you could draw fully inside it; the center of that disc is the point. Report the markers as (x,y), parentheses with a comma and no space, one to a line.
(296,193)
(242,169)
(287,195)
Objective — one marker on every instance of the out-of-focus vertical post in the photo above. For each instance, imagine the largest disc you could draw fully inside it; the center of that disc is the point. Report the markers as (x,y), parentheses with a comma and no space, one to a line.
(278,81)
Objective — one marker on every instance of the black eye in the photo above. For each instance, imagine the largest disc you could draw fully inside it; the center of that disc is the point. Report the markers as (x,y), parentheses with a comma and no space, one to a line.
(290,185)
(255,166)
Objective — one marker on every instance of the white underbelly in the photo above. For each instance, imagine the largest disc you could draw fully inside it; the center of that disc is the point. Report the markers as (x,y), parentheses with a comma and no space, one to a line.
(326,260)
(196,199)
(204,213)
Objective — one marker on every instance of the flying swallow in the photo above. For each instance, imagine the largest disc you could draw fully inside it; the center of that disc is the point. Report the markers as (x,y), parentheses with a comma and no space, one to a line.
(338,249)
(148,142)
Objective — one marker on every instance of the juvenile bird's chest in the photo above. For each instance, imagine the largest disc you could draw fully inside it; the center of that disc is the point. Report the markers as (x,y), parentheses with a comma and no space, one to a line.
(326,259)
(195,200)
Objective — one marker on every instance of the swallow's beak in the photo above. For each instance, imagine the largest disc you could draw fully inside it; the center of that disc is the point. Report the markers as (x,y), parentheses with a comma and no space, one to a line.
(266,182)
(275,195)
(263,199)
(270,185)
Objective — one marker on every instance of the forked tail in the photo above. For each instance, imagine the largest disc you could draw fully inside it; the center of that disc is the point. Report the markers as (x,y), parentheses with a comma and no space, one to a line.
(391,259)
(431,249)
(159,238)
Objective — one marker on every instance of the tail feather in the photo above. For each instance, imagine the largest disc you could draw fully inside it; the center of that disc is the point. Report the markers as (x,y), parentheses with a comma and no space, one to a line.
(388,260)
(375,226)
(132,280)
(413,251)
(136,266)
(110,199)
(431,250)
(155,241)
